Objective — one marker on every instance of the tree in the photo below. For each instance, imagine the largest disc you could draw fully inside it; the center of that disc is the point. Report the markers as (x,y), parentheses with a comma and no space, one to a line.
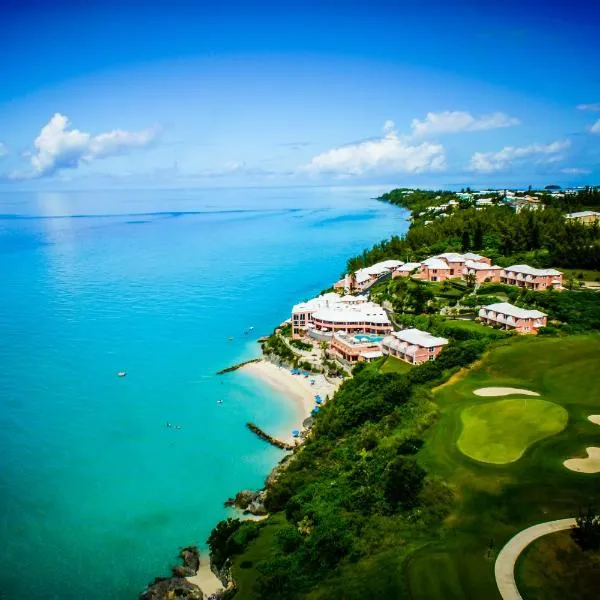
(478,236)
(403,483)
(471,279)
(466,241)
(586,534)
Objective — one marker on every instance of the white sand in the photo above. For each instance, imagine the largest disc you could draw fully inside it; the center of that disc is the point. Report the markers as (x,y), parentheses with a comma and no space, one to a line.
(205,579)
(296,387)
(503,391)
(591,464)
(595,419)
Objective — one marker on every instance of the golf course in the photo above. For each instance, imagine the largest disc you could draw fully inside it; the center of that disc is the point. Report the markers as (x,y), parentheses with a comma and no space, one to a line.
(503,458)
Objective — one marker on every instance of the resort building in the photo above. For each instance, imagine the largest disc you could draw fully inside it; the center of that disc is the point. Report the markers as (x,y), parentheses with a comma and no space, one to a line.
(325,315)
(588,217)
(483,272)
(511,317)
(457,261)
(413,345)
(406,269)
(355,348)
(364,278)
(531,278)
(435,269)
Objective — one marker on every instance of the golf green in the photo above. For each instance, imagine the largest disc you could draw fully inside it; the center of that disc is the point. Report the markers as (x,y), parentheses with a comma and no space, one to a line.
(500,432)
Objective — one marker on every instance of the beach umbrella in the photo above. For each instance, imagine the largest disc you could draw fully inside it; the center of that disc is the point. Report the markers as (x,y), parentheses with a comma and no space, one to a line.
(295,433)
(315,410)
(318,400)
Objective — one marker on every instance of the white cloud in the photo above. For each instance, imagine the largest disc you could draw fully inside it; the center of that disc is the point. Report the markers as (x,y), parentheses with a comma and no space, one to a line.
(389,154)
(456,121)
(595,106)
(3,150)
(58,146)
(575,171)
(497,161)
(595,128)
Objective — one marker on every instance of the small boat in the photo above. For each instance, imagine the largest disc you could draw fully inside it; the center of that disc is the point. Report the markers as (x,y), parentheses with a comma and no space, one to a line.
(219,401)
(121,373)
(230,339)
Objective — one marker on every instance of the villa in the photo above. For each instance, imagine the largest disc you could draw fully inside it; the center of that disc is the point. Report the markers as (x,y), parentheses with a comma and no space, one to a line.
(457,261)
(365,278)
(435,269)
(588,217)
(355,348)
(406,269)
(483,271)
(511,317)
(413,345)
(325,315)
(531,278)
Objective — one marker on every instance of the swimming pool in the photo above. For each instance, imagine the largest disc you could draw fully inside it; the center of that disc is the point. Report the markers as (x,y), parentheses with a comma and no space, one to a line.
(376,339)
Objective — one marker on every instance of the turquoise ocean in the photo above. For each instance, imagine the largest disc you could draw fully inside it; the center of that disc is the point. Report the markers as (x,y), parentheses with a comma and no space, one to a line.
(96,493)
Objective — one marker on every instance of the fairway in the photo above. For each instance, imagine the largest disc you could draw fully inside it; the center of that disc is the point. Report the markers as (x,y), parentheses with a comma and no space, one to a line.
(500,432)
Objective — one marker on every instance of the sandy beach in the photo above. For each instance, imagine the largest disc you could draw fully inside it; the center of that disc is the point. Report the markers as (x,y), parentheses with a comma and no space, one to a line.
(205,579)
(296,387)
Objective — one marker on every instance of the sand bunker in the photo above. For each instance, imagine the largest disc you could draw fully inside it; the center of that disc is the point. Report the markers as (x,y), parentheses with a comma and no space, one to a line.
(591,464)
(503,391)
(595,419)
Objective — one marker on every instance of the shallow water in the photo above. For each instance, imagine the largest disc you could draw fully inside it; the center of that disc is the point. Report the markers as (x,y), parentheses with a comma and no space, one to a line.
(96,493)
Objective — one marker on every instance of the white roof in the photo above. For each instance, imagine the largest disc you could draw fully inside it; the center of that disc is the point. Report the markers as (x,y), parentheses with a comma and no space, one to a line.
(472,256)
(419,338)
(316,303)
(390,263)
(366,312)
(514,311)
(471,264)
(451,257)
(527,270)
(362,275)
(583,213)
(436,263)
(348,299)
(408,267)
(372,354)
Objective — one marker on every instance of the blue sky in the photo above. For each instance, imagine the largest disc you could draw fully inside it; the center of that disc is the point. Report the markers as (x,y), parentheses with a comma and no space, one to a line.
(298,93)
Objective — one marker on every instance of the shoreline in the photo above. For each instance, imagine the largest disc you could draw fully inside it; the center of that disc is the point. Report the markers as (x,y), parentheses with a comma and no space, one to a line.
(295,387)
(205,579)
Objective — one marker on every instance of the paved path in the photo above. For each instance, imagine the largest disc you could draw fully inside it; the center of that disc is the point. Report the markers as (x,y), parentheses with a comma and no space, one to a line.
(504,568)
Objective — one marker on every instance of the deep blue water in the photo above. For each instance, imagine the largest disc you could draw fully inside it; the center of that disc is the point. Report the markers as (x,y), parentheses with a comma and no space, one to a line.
(96,493)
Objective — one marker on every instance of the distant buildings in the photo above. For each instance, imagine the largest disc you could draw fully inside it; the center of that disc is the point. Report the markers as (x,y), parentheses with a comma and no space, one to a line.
(363,279)
(588,217)
(508,316)
(413,345)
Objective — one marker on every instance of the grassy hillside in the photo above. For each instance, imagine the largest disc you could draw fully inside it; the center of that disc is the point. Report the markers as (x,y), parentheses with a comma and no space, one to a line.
(381,503)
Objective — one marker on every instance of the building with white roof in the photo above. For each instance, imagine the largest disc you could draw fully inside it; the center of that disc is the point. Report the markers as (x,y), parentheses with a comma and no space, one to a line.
(531,278)
(435,269)
(413,345)
(509,316)
(322,316)
(585,216)
(366,277)
(355,348)
(406,269)
(482,271)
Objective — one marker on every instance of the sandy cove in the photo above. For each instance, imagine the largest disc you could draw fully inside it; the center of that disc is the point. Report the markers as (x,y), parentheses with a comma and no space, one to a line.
(296,387)
(205,579)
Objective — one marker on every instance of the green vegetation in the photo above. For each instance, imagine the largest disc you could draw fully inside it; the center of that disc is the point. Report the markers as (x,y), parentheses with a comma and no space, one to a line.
(555,568)
(391,364)
(540,238)
(500,432)
(301,345)
(587,532)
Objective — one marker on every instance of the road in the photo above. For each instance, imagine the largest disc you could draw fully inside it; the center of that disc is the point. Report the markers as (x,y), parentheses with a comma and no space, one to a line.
(504,568)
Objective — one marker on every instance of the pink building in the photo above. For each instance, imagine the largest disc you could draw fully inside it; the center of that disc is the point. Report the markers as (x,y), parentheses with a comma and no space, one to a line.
(435,269)
(531,278)
(482,271)
(406,269)
(413,345)
(457,262)
(511,317)
(353,349)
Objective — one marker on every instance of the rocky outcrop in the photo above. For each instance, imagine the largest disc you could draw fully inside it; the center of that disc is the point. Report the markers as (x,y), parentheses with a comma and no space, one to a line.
(165,588)
(248,501)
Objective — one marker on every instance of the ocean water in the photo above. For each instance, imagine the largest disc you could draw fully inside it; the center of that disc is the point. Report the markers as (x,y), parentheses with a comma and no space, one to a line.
(96,493)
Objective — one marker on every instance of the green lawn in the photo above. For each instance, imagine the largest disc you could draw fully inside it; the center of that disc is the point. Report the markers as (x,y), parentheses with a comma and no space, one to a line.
(500,432)
(473,326)
(554,568)
(496,501)
(394,365)
(583,274)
